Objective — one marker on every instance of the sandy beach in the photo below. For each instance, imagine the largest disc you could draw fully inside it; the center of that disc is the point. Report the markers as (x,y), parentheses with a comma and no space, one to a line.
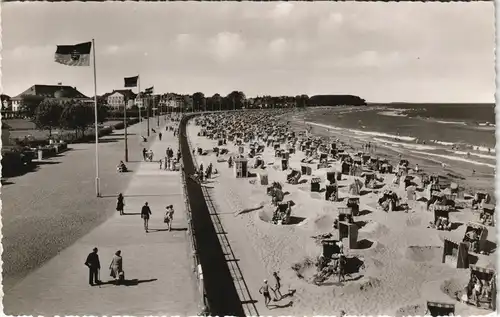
(398,255)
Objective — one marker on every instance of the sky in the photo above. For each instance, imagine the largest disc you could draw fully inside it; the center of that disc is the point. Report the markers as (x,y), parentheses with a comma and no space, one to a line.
(382,52)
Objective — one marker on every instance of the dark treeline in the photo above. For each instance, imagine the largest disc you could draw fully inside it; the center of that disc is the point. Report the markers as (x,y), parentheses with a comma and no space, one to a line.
(238,100)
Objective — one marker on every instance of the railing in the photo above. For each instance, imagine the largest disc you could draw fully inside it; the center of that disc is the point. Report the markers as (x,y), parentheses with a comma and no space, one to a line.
(216,283)
(194,248)
(240,284)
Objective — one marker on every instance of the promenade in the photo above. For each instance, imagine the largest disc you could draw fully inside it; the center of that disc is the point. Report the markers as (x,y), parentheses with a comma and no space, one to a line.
(158,265)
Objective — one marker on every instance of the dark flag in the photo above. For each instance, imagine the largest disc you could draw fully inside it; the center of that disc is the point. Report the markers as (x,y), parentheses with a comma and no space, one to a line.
(149,90)
(73,55)
(131,81)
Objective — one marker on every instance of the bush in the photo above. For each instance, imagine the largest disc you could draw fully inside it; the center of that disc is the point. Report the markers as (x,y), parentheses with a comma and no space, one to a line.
(15,162)
(31,143)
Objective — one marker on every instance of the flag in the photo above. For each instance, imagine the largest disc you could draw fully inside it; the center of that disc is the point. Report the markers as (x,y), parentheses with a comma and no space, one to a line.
(131,81)
(149,90)
(73,55)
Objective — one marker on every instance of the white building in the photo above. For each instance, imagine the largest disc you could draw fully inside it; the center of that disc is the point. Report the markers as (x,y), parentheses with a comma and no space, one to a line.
(117,99)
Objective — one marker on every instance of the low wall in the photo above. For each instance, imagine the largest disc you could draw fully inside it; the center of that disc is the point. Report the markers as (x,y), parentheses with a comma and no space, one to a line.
(216,283)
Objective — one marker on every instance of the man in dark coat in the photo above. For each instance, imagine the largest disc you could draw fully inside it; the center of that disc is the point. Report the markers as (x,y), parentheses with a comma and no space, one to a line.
(94,266)
(145,212)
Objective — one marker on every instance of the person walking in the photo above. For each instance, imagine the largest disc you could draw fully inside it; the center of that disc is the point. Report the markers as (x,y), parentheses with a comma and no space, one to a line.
(159,136)
(94,266)
(277,286)
(145,213)
(169,216)
(144,153)
(120,204)
(116,267)
(264,290)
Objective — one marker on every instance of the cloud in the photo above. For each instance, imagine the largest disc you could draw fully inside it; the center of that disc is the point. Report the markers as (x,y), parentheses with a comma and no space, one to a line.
(275,48)
(111,49)
(225,45)
(282,10)
(365,59)
(278,46)
(330,23)
(183,41)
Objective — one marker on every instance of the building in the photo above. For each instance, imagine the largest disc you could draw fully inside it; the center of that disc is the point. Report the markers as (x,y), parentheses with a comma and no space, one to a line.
(175,101)
(58,93)
(117,98)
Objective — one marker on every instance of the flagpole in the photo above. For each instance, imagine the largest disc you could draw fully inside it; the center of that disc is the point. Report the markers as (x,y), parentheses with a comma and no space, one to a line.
(157,112)
(147,109)
(97,182)
(139,87)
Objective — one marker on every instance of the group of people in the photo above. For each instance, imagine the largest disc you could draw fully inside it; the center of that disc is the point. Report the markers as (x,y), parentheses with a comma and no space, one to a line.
(170,162)
(115,267)
(200,174)
(479,290)
(146,212)
(265,289)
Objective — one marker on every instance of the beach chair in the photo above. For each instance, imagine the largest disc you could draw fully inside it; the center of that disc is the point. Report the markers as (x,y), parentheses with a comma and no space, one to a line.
(350,231)
(369,177)
(442,212)
(436,309)
(331,192)
(315,184)
(353,203)
(331,248)
(293,177)
(487,297)
(284,164)
(487,215)
(455,253)
(481,231)
(345,214)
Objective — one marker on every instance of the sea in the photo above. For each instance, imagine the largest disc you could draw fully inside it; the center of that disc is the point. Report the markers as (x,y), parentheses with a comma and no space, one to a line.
(450,132)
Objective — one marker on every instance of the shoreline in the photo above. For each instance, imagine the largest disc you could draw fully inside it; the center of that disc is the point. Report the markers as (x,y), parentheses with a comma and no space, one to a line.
(458,171)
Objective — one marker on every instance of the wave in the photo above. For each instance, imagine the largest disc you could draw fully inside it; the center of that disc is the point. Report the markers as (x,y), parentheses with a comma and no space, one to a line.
(451,122)
(481,148)
(487,124)
(456,158)
(443,142)
(490,157)
(370,133)
(406,145)
(392,114)
(469,146)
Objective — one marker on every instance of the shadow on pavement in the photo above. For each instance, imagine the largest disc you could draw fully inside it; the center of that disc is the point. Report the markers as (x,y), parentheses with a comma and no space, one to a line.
(173,229)
(132,282)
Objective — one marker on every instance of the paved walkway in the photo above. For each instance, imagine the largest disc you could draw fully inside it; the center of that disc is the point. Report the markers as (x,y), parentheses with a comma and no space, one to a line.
(158,265)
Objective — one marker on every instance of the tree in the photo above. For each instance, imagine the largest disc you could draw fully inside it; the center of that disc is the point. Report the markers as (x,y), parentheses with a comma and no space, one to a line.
(77,116)
(217,102)
(29,103)
(103,110)
(302,101)
(198,98)
(236,98)
(47,115)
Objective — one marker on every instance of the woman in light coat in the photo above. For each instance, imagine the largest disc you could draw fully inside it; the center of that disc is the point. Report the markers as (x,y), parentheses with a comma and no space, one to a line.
(116,266)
